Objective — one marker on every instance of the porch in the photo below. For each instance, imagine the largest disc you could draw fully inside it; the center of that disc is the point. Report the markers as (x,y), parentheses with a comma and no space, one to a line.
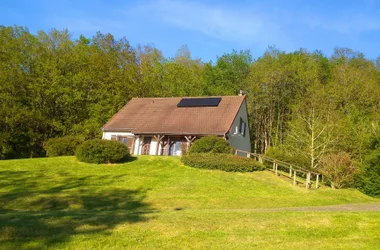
(161,144)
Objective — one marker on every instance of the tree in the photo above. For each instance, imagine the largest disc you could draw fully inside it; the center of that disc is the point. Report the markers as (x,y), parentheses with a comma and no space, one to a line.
(338,169)
(276,82)
(229,73)
(311,129)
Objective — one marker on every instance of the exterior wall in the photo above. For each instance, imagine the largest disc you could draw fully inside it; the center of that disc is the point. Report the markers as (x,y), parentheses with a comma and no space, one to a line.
(236,139)
(138,144)
(107,135)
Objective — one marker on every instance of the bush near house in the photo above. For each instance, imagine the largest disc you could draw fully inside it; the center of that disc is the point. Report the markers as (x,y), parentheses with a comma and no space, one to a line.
(225,162)
(210,144)
(102,151)
(62,146)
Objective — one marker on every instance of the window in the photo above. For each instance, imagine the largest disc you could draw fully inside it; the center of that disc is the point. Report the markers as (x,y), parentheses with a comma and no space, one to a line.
(113,137)
(124,139)
(242,127)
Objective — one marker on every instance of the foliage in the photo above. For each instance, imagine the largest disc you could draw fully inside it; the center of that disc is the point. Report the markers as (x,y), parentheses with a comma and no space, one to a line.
(368,180)
(310,131)
(63,145)
(339,169)
(225,162)
(210,144)
(102,151)
(287,154)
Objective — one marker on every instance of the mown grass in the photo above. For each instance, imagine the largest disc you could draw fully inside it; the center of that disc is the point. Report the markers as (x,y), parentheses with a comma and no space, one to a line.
(157,202)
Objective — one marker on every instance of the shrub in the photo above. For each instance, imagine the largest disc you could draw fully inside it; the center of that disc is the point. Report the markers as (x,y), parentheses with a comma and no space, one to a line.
(102,151)
(226,162)
(368,179)
(287,154)
(63,145)
(338,168)
(211,144)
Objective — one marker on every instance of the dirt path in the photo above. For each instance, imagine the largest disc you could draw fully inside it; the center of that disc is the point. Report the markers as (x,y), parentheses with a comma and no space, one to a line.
(358,207)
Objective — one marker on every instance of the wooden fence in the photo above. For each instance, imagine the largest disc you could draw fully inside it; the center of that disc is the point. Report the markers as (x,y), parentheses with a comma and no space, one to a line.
(291,168)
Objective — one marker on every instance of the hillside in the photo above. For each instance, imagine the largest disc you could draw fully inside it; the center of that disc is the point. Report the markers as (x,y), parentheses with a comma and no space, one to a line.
(157,202)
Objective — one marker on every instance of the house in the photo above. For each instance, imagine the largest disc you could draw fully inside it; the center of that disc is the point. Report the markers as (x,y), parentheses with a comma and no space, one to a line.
(167,126)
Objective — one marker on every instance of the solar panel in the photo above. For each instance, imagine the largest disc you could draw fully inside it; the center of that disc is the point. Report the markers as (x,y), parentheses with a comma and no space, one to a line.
(199,102)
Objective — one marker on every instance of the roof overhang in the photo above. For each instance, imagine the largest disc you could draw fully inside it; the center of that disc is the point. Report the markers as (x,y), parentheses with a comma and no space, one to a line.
(118,130)
(178,133)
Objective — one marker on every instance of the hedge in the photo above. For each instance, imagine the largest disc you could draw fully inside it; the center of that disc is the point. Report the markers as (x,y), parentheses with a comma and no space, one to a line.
(211,144)
(225,162)
(102,151)
(63,145)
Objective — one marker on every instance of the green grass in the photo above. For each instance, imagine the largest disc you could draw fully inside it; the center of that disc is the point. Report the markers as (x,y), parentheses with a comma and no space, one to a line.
(157,202)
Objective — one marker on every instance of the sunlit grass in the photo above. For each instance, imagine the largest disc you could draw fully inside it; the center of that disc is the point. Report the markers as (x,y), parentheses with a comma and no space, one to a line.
(157,202)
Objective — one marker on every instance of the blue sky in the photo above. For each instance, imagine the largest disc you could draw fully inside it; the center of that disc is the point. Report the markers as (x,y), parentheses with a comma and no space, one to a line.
(211,28)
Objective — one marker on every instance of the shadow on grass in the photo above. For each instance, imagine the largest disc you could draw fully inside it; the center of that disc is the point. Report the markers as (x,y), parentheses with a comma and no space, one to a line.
(39,213)
(128,159)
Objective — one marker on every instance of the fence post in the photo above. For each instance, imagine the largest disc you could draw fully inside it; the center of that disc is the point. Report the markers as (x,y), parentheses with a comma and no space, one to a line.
(317,182)
(248,155)
(274,165)
(308,180)
(294,178)
(276,169)
(290,171)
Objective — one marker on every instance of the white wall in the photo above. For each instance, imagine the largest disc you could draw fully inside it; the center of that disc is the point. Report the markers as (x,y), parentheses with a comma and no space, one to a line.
(153,146)
(236,139)
(138,144)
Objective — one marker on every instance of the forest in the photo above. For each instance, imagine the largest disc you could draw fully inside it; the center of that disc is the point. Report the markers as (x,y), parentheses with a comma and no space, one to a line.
(304,107)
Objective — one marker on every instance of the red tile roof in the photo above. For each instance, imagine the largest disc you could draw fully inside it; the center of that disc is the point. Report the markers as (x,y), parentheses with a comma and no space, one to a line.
(162,116)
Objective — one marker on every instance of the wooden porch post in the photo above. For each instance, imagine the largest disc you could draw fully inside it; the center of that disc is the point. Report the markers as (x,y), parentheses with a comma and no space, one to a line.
(167,147)
(133,145)
(190,140)
(158,139)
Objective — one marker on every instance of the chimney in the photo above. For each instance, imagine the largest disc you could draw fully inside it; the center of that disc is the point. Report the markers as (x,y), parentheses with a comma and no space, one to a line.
(240,92)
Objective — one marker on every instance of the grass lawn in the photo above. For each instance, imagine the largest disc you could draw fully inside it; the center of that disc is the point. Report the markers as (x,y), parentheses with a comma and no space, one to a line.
(157,202)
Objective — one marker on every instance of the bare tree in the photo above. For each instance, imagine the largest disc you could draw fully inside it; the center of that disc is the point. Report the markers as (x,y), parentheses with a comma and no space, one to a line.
(311,128)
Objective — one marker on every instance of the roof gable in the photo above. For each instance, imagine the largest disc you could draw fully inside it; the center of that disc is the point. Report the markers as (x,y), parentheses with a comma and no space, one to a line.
(162,116)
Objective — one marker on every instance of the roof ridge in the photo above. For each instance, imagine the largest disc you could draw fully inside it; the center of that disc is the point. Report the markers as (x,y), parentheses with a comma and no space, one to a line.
(172,97)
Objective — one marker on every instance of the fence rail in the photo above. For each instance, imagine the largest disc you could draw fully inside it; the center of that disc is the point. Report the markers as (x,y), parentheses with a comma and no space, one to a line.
(293,169)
